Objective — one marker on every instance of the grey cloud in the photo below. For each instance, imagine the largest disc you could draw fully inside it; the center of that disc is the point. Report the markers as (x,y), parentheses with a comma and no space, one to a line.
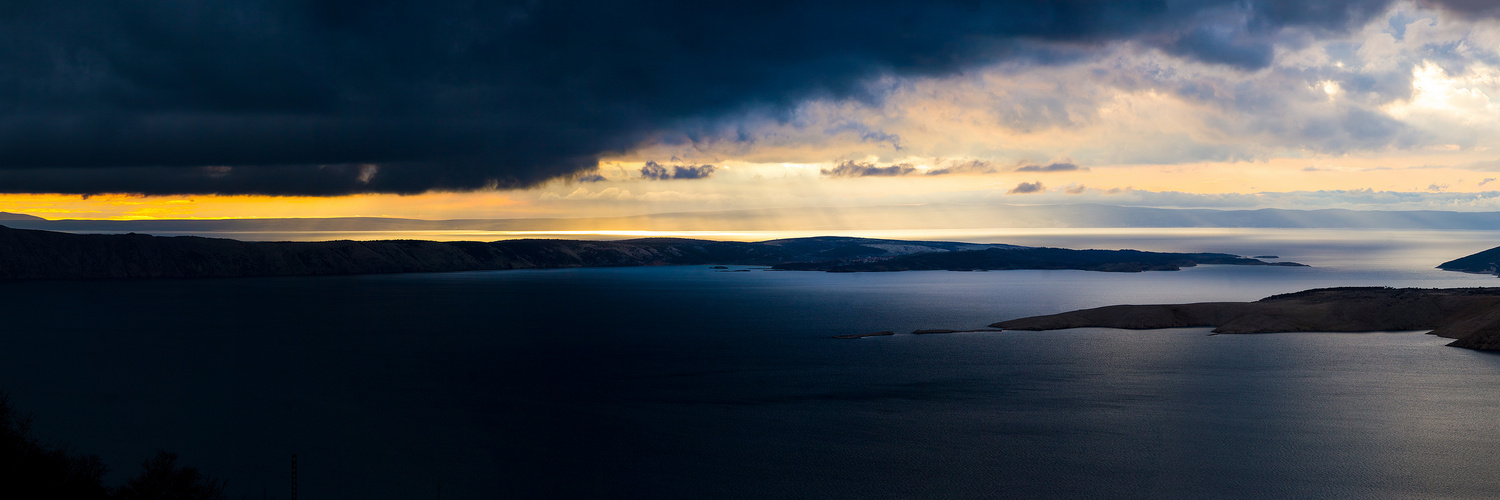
(965,167)
(1051,167)
(693,172)
(656,171)
(1222,45)
(1027,188)
(652,170)
(857,169)
(1486,180)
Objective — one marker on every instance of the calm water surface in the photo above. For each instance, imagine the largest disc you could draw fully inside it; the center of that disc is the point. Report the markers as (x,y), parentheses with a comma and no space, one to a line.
(680,382)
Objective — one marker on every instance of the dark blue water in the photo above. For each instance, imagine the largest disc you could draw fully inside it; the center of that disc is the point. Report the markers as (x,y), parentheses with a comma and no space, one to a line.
(680,382)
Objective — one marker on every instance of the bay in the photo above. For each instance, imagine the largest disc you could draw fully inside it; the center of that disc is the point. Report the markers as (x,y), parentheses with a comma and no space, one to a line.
(683,382)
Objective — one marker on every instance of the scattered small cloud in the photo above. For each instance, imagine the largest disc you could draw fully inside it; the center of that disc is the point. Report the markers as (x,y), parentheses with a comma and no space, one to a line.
(1486,180)
(858,169)
(967,167)
(1027,188)
(1074,189)
(590,177)
(1052,167)
(1437,188)
(655,171)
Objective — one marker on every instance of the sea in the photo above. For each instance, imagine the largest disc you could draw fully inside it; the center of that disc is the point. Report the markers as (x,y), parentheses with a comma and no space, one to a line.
(691,382)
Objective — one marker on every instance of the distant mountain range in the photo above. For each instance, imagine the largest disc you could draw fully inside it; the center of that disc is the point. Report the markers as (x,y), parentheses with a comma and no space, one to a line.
(34,254)
(937,216)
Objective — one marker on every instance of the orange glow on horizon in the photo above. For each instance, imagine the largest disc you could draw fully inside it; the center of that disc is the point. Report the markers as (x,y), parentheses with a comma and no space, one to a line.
(140,207)
(750,186)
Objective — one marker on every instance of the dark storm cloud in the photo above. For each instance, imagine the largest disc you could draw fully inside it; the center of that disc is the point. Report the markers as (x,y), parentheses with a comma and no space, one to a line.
(294,96)
(1214,44)
(655,171)
(1051,167)
(857,169)
(313,180)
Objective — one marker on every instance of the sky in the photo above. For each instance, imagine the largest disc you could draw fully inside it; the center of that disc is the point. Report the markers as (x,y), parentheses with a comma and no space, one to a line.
(438,110)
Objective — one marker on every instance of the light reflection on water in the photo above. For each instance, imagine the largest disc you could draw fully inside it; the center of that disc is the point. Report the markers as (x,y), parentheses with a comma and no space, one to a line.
(680,382)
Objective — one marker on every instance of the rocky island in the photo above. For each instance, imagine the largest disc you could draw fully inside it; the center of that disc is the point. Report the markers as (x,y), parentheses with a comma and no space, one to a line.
(1471,316)
(36,254)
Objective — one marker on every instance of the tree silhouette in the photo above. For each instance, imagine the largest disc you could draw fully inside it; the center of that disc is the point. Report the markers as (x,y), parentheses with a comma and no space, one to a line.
(163,479)
(29,469)
(32,470)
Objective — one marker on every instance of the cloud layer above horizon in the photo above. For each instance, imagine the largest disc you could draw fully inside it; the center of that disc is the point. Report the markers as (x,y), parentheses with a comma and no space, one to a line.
(325,98)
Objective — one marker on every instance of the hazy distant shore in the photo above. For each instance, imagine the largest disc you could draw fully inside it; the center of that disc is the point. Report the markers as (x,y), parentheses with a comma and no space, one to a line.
(35,254)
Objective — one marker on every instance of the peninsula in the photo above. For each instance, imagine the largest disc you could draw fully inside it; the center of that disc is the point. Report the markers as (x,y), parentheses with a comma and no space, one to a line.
(1470,316)
(1486,262)
(36,254)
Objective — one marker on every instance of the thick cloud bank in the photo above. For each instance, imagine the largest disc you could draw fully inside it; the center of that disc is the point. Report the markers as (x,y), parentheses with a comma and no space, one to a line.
(336,97)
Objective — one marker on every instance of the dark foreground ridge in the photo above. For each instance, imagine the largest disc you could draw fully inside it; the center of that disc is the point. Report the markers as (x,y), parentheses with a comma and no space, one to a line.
(34,254)
(1469,315)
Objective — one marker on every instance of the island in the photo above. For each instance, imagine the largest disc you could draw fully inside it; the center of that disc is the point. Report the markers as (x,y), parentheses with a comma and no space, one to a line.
(1470,316)
(36,254)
